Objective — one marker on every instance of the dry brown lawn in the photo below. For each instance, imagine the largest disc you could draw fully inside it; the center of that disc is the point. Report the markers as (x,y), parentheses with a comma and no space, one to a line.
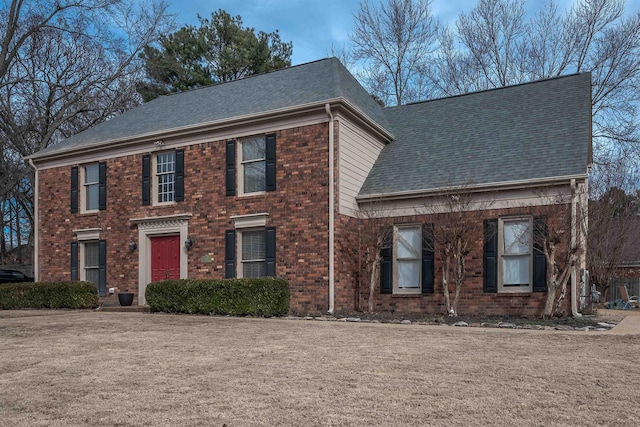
(134,369)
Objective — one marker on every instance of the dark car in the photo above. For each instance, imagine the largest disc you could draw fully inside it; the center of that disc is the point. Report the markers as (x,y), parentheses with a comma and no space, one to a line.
(14,276)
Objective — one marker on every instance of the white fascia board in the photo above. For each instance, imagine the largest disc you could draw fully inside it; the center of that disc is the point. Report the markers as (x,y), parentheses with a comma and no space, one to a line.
(477,188)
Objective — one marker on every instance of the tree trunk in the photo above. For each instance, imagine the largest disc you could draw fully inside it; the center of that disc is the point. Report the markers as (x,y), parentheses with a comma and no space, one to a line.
(445,280)
(375,268)
(552,284)
(460,272)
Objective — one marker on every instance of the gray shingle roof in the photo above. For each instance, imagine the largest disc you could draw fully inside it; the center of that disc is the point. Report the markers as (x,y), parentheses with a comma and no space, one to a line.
(313,82)
(529,131)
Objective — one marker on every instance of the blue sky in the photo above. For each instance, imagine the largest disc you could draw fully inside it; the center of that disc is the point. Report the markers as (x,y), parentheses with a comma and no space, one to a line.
(313,25)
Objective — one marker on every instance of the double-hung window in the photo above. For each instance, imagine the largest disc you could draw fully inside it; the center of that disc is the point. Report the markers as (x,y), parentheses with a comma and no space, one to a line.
(90,262)
(163,177)
(253,164)
(515,255)
(91,187)
(408,259)
(253,261)
(166,176)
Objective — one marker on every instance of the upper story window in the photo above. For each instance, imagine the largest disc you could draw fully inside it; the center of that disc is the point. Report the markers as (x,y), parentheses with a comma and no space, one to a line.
(89,187)
(250,166)
(165,176)
(253,164)
(515,255)
(90,184)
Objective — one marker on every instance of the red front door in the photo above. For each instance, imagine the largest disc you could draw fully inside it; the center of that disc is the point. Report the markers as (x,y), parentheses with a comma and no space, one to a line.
(165,258)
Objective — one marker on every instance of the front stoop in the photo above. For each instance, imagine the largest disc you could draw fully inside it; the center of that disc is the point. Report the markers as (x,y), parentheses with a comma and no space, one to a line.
(110,303)
(126,309)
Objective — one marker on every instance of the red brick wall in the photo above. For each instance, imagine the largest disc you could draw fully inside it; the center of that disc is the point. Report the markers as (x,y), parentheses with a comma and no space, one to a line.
(473,300)
(298,209)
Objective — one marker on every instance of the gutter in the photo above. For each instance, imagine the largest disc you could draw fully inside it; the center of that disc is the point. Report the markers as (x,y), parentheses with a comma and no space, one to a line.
(36,233)
(574,301)
(475,188)
(331,212)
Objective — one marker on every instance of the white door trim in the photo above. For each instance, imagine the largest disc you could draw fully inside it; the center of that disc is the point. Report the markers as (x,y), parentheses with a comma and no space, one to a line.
(159,226)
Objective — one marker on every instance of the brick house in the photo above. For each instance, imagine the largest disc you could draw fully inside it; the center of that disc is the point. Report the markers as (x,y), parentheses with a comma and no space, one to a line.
(266,176)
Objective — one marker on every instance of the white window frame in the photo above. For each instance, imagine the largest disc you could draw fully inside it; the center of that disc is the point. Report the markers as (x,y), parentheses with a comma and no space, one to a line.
(396,288)
(156,179)
(242,163)
(84,186)
(501,255)
(241,262)
(83,259)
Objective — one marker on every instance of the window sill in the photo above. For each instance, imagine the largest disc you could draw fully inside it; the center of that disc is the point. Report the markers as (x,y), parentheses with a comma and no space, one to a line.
(515,294)
(257,193)
(92,212)
(417,295)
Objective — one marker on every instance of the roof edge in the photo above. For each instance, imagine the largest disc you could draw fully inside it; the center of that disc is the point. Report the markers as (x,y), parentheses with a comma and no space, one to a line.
(216,124)
(476,188)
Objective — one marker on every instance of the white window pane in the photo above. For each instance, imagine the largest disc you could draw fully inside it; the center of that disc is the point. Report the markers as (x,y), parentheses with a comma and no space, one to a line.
(91,252)
(253,245)
(91,275)
(517,237)
(166,163)
(92,196)
(253,149)
(408,274)
(515,270)
(254,269)
(254,177)
(91,174)
(408,243)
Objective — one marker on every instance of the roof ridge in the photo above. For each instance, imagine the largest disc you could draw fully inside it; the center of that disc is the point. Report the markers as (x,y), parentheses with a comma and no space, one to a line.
(243,78)
(493,89)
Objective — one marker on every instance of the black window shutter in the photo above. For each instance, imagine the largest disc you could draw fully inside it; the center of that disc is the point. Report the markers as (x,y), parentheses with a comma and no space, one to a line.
(146,179)
(490,258)
(230,169)
(270,250)
(271,162)
(102,268)
(74,262)
(102,186)
(539,260)
(179,190)
(386,263)
(230,254)
(74,189)
(428,264)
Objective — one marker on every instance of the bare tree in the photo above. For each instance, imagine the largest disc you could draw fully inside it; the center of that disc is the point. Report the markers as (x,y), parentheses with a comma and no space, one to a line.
(375,234)
(65,66)
(458,222)
(613,220)
(394,39)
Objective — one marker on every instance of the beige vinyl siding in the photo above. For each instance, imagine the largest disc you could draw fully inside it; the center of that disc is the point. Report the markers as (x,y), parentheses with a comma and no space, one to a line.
(357,152)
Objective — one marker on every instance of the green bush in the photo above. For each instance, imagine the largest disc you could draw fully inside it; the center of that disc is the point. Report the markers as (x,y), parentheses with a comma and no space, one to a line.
(264,296)
(48,295)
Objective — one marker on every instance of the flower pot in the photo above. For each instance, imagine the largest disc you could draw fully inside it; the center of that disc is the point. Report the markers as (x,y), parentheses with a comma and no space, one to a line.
(125,298)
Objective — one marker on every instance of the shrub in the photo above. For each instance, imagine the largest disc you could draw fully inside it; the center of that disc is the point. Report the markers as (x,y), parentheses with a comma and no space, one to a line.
(264,296)
(48,295)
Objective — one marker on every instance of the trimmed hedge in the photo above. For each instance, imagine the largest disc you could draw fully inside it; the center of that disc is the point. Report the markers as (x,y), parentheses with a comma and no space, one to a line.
(15,296)
(264,296)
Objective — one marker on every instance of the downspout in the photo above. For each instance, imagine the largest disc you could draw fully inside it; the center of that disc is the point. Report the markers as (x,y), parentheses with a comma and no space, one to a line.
(574,301)
(331,212)
(36,244)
